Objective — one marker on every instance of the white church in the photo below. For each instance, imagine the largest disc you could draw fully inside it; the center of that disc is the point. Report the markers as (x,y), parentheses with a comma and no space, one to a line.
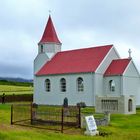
(96,76)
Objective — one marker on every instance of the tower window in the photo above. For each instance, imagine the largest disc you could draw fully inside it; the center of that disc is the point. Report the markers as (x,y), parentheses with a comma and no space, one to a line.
(41,49)
(80,84)
(48,85)
(63,85)
(112,85)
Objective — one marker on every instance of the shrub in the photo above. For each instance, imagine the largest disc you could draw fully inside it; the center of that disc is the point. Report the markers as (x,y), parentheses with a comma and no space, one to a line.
(81,104)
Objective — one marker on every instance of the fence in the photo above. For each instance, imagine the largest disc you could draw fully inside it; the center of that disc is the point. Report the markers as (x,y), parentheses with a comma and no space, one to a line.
(20,113)
(16,98)
(44,116)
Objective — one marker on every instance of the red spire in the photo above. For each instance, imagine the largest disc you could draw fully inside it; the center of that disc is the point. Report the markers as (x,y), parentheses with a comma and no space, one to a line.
(49,34)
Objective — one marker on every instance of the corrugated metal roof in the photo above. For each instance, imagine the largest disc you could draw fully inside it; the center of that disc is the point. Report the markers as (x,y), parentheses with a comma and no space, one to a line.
(75,61)
(117,67)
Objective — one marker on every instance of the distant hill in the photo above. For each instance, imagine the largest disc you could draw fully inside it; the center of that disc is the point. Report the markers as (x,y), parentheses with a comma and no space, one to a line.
(17,79)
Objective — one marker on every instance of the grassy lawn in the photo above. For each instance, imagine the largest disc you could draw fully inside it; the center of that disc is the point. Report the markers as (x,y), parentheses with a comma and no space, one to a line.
(10,89)
(122,127)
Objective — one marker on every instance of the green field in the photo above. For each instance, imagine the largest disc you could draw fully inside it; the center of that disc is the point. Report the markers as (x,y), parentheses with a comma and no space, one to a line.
(122,127)
(11,89)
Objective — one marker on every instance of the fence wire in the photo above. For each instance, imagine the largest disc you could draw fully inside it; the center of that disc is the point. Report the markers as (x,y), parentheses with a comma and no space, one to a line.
(44,116)
(20,113)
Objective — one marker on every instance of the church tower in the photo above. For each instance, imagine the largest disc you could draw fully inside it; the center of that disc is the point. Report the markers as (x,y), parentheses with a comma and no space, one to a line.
(48,46)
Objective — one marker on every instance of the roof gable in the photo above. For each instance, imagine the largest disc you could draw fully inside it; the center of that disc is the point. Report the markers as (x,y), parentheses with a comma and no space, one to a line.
(49,34)
(75,61)
(131,70)
(117,67)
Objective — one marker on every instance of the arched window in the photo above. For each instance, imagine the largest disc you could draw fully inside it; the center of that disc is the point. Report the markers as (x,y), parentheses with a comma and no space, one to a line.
(80,84)
(112,85)
(130,105)
(48,85)
(63,85)
(41,49)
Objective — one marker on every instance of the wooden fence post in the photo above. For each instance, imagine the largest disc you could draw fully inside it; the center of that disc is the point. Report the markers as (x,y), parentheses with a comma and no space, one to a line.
(62,120)
(11,114)
(79,117)
(3,98)
(31,113)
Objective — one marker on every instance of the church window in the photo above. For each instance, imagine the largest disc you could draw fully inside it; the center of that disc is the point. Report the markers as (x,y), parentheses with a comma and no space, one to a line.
(112,85)
(80,84)
(63,85)
(41,49)
(48,85)
(130,105)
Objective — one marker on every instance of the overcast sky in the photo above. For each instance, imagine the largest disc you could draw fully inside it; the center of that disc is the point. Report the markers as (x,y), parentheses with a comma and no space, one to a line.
(79,24)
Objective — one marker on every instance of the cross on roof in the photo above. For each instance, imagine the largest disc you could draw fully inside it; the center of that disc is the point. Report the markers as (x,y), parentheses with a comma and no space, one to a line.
(49,12)
(129,51)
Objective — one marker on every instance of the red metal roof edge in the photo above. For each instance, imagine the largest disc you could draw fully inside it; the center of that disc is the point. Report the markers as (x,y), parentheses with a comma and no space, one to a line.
(86,48)
(63,73)
(112,46)
(119,74)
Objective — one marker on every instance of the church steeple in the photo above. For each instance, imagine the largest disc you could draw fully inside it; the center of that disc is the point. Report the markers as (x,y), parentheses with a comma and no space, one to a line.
(48,46)
(49,35)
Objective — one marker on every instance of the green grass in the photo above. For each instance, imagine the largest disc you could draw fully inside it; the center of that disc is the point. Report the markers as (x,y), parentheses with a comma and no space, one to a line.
(5,82)
(11,89)
(122,127)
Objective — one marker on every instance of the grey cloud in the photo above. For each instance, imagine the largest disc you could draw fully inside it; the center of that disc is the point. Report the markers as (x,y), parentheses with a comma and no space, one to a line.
(22,24)
(7,70)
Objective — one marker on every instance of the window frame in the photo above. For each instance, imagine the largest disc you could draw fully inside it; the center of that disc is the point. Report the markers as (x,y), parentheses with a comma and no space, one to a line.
(63,85)
(112,85)
(41,48)
(47,85)
(80,84)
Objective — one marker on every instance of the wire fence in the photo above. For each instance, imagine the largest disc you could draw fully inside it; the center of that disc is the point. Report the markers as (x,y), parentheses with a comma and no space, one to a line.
(44,116)
(20,113)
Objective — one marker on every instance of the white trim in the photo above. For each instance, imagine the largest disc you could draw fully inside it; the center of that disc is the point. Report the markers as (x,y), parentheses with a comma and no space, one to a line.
(93,86)
(103,59)
(42,43)
(121,85)
(107,56)
(131,61)
(126,68)
(116,52)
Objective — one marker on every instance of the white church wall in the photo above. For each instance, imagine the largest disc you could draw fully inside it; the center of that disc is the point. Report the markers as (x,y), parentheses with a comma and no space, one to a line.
(39,61)
(45,54)
(99,85)
(52,48)
(118,86)
(131,70)
(56,97)
(131,82)
(112,54)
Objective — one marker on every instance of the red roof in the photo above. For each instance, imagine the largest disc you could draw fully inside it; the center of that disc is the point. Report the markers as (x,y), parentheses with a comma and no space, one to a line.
(49,34)
(75,61)
(117,67)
